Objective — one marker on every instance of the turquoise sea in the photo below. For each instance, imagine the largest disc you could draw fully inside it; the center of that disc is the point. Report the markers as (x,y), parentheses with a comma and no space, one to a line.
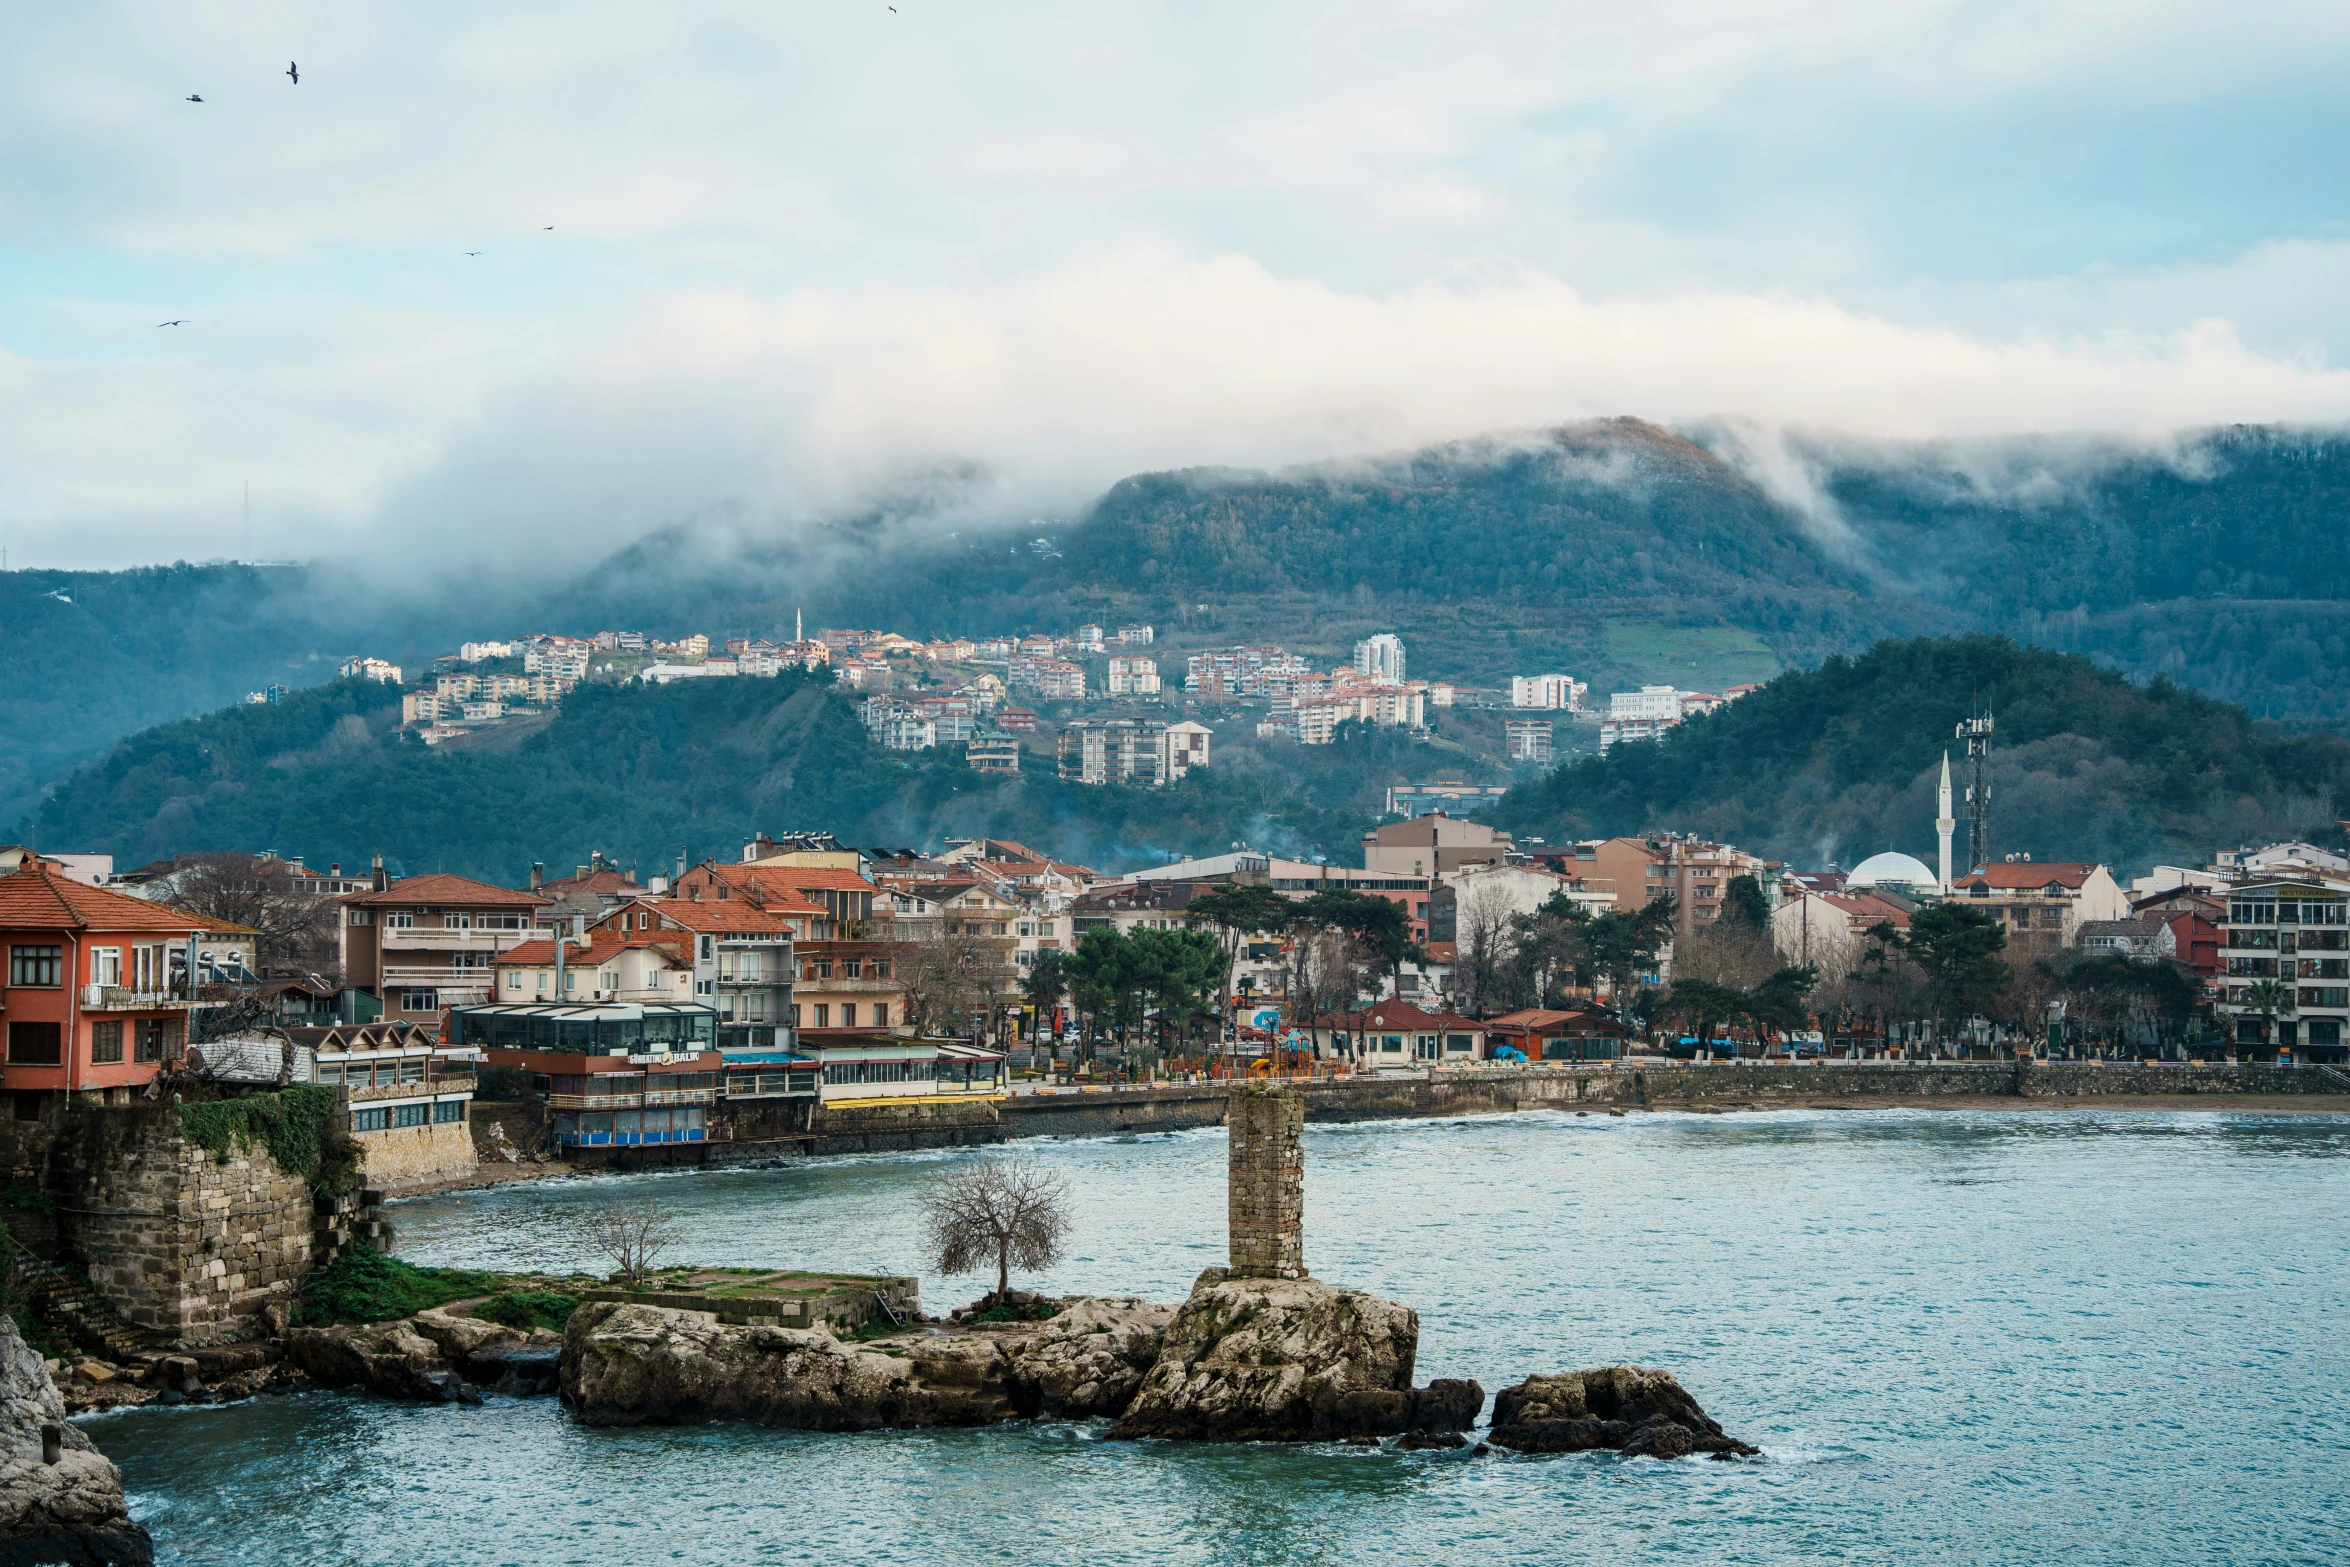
(2077,1337)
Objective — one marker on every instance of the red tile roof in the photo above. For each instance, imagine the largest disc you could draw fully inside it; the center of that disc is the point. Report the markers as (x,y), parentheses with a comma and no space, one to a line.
(31,898)
(602,944)
(718,916)
(2027,875)
(448,891)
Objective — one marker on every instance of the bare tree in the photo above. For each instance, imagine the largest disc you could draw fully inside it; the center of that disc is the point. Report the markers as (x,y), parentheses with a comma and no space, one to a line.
(1484,950)
(1003,1211)
(951,972)
(632,1234)
(294,922)
(1725,953)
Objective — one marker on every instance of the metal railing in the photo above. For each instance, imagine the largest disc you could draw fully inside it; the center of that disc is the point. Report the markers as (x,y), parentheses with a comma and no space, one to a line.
(652,1099)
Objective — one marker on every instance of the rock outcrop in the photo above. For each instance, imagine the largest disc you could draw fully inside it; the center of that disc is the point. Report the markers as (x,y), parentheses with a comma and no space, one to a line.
(60,1498)
(434,1357)
(1291,1360)
(1087,1362)
(630,1364)
(1632,1409)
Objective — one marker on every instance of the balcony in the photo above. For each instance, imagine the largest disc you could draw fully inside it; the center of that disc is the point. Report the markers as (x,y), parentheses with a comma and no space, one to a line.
(847,987)
(437,974)
(418,939)
(121,998)
(649,1100)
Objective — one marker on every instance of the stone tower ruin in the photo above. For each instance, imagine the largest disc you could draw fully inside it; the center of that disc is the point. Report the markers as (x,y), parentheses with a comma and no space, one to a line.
(1267,1181)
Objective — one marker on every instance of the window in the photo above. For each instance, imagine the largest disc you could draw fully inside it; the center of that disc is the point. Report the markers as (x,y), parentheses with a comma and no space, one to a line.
(852,968)
(372,1120)
(411,1115)
(420,1001)
(848,1014)
(363,916)
(36,1044)
(709,948)
(35,965)
(456,922)
(106,1044)
(159,1039)
(400,921)
(106,965)
(448,1111)
(513,981)
(823,1015)
(147,968)
(881,1014)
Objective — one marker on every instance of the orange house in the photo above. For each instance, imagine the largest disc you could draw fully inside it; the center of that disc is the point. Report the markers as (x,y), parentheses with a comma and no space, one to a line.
(94,997)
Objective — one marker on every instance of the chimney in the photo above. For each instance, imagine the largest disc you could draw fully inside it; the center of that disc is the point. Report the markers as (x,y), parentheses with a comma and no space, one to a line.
(376,878)
(335,870)
(538,875)
(583,870)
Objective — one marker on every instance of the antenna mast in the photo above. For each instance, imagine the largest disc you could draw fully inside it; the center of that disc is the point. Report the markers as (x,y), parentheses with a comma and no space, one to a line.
(1976,732)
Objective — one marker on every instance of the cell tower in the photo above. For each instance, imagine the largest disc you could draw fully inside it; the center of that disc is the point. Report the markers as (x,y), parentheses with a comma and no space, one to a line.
(1976,732)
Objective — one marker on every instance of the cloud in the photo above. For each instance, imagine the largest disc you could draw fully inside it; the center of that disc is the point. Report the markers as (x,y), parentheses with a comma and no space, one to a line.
(809,404)
(805,256)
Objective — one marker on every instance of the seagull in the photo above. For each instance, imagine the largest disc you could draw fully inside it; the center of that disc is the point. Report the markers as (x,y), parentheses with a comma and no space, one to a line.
(294,72)
(473,252)
(195,97)
(182,321)
(549,229)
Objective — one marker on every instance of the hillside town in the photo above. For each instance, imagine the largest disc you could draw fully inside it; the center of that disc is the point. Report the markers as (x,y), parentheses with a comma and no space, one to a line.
(1092,706)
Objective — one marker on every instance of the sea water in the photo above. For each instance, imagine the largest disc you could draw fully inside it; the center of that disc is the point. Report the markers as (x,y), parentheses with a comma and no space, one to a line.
(2074,1337)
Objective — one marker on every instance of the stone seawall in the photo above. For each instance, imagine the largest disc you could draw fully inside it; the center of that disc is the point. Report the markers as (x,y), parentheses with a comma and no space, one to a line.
(1179,1107)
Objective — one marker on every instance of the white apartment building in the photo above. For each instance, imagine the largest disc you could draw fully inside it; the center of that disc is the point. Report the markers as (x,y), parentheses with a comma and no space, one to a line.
(477,652)
(1134,636)
(1528,739)
(1381,656)
(1182,747)
(370,669)
(1548,692)
(1134,677)
(1650,702)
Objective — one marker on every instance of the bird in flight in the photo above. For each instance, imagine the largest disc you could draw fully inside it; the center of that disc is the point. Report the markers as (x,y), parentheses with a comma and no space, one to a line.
(473,252)
(295,72)
(549,229)
(182,321)
(195,97)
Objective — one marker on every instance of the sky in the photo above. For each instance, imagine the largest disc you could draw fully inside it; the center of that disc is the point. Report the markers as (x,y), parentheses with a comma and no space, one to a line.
(505,287)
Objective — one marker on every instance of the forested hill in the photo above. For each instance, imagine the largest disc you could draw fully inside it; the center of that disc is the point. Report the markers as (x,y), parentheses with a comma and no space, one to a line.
(1615,550)
(645,772)
(1840,762)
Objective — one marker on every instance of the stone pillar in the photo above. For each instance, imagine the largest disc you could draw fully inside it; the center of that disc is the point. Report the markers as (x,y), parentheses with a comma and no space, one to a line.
(1267,1196)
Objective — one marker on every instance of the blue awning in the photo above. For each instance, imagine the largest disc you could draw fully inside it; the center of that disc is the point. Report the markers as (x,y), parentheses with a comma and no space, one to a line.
(765,1058)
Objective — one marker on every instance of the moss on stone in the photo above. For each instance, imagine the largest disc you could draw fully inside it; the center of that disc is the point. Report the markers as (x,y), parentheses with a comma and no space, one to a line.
(295,1124)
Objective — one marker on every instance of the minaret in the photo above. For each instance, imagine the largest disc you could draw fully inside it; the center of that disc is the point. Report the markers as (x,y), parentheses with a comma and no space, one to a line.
(800,634)
(1945,824)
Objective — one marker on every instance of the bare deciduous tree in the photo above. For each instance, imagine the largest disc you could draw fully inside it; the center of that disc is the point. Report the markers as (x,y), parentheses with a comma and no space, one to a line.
(1485,950)
(632,1234)
(295,923)
(950,973)
(1004,1211)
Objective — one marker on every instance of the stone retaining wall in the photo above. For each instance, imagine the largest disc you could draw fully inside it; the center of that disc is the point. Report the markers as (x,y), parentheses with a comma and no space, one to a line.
(175,1239)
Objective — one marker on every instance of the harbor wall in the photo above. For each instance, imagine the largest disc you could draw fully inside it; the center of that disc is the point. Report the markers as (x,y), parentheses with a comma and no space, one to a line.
(760,1133)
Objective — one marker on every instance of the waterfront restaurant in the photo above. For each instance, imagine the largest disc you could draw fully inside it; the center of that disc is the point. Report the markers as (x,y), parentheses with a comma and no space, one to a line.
(1397,1034)
(873,1067)
(616,1075)
(1583,1034)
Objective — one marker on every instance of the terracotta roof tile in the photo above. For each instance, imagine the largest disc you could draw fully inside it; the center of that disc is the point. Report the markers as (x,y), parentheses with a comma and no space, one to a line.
(453,891)
(33,899)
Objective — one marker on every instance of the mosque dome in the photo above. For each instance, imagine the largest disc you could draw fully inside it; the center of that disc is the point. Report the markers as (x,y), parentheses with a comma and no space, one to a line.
(1891,870)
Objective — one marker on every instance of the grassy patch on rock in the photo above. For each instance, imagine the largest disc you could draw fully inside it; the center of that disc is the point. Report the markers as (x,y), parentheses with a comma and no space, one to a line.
(528,1309)
(366,1286)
